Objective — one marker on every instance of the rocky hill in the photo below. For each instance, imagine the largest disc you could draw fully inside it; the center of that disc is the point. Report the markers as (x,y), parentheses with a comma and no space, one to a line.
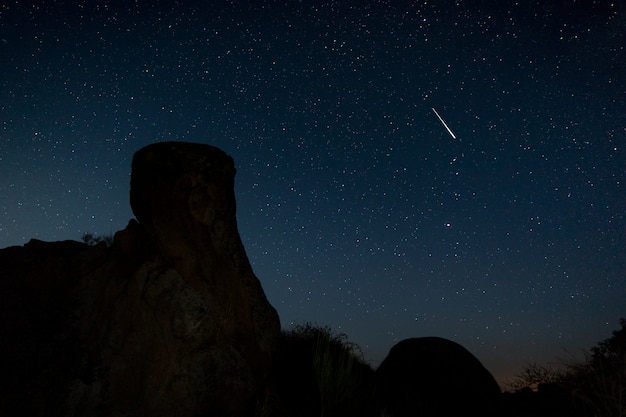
(168,321)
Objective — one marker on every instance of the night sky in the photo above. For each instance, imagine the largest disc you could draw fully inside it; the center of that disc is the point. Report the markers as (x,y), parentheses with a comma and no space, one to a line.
(357,207)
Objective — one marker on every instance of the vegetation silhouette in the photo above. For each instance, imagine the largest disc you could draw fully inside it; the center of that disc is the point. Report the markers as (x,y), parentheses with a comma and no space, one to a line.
(592,386)
(92,239)
(320,373)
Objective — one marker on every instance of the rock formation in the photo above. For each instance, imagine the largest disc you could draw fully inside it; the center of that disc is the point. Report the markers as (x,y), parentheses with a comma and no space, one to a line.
(168,321)
(432,376)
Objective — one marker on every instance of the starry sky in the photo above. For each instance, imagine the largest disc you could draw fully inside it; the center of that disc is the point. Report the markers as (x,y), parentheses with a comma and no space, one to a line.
(357,207)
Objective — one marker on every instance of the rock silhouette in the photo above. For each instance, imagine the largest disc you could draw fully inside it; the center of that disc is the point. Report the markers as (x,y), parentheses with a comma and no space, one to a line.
(168,321)
(432,376)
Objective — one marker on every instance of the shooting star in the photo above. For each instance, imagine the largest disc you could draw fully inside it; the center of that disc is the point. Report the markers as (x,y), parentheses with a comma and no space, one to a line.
(444,123)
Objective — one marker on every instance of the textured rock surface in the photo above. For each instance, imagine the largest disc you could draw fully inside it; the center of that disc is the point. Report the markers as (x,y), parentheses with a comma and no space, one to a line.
(432,376)
(168,321)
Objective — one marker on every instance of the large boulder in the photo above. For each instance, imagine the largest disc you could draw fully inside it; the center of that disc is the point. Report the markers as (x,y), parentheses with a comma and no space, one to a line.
(169,320)
(432,376)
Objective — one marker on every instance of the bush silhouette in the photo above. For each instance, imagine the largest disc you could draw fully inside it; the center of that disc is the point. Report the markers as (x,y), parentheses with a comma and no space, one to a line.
(92,239)
(320,373)
(596,384)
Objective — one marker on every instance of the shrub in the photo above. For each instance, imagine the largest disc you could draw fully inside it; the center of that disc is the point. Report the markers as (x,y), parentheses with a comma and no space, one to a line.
(596,383)
(321,373)
(92,239)
(599,381)
(533,375)
(334,364)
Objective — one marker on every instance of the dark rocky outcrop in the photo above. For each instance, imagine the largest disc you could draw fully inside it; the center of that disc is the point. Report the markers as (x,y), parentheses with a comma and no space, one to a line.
(432,376)
(168,321)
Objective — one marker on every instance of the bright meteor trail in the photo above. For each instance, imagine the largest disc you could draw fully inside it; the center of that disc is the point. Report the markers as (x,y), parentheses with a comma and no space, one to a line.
(444,123)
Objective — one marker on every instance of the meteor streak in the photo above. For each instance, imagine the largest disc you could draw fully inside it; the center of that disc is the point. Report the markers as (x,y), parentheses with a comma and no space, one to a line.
(444,123)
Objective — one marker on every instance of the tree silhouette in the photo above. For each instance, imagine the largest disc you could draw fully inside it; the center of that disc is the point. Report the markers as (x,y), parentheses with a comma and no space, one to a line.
(92,239)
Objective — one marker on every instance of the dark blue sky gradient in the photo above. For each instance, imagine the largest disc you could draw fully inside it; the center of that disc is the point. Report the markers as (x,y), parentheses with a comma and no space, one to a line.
(357,209)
